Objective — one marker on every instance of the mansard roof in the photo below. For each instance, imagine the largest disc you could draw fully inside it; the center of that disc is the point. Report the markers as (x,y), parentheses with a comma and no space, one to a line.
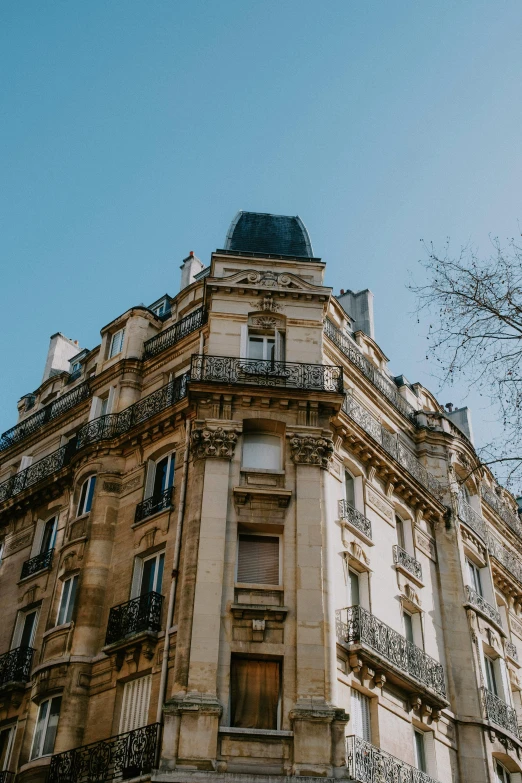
(272,234)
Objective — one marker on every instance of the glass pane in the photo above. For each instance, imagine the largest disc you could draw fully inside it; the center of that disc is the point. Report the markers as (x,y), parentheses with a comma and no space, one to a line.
(255,348)
(270,349)
(261,451)
(90,493)
(400,532)
(159,576)
(354,588)
(408,627)
(163,475)
(52,725)
(419,751)
(63,603)
(72,598)
(27,633)
(48,536)
(5,742)
(350,490)
(38,732)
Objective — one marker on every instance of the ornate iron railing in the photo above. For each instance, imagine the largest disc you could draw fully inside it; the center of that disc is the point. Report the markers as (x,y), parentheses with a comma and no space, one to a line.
(36,420)
(407,561)
(355,518)
(38,563)
(511,651)
(174,333)
(511,561)
(509,517)
(15,665)
(7,777)
(357,626)
(390,443)
(499,713)
(114,424)
(481,605)
(124,756)
(135,616)
(153,505)
(384,385)
(473,520)
(368,764)
(36,472)
(260,372)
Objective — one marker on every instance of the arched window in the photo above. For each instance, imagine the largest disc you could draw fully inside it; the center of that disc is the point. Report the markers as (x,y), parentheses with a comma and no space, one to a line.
(86,496)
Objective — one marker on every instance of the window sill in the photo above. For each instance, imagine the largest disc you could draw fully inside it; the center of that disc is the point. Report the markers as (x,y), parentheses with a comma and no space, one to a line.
(254,586)
(273,471)
(255,732)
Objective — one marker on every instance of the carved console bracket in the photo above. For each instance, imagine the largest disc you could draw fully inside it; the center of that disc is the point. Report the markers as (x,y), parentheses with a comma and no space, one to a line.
(310,450)
(213,442)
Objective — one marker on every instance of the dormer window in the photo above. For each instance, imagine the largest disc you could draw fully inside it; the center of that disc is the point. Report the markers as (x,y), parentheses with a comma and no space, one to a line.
(116,343)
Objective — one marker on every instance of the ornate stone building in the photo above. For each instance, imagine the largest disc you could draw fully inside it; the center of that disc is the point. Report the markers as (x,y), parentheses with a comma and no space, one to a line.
(234,547)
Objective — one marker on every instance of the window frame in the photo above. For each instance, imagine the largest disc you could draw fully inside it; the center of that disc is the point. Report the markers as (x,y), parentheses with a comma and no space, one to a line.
(69,605)
(11,731)
(357,575)
(256,534)
(88,498)
(362,699)
(152,468)
(238,657)
(113,344)
(258,433)
(349,478)
(137,574)
(18,630)
(43,737)
(506,774)
(420,758)
(475,576)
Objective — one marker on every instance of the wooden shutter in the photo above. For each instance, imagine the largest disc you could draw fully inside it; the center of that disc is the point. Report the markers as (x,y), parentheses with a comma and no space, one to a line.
(258,560)
(95,408)
(136,577)
(279,346)
(38,536)
(110,398)
(135,704)
(430,755)
(149,481)
(25,462)
(243,346)
(505,681)
(361,715)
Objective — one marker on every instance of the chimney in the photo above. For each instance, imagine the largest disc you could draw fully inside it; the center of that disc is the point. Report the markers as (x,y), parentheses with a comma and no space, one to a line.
(359,306)
(61,350)
(189,269)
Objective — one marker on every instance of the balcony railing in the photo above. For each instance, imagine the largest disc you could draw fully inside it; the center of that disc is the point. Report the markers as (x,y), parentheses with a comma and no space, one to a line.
(357,626)
(135,616)
(511,561)
(381,382)
(510,518)
(499,713)
(407,561)
(482,606)
(38,563)
(153,505)
(260,372)
(355,518)
(15,665)
(36,472)
(472,519)
(36,420)
(7,777)
(368,764)
(122,757)
(512,651)
(392,445)
(114,424)
(173,334)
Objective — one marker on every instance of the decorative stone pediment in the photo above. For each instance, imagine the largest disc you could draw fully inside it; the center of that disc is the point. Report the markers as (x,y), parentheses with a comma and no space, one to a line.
(258,279)
(310,450)
(218,442)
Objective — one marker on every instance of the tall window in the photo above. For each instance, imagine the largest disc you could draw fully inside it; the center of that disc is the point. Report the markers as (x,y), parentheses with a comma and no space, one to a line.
(160,476)
(474,577)
(349,489)
(148,575)
(408,626)
(49,535)
(46,726)
(263,341)
(353,588)
(258,559)
(491,679)
(399,527)
(501,774)
(67,600)
(361,725)
(135,704)
(25,629)
(86,496)
(420,752)
(116,343)
(255,693)
(261,451)
(6,744)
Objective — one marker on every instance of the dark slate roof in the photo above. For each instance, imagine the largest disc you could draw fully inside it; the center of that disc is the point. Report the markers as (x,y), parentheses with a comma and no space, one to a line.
(253,232)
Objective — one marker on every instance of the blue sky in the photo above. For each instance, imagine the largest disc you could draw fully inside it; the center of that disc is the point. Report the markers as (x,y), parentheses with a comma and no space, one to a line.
(133,131)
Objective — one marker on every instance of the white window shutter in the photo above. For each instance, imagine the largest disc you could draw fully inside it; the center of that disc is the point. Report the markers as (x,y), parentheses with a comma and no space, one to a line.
(280,346)
(135,704)
(110,400)
(258,560)
(505,681)
(243,348)
(136,577)
(24,463)
(149,479)
(37,540)
(431,756)
(361,715)
(95,408)
(17,633)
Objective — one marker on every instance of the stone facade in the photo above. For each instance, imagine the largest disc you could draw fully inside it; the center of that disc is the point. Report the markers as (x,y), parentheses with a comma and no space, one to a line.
(234,547)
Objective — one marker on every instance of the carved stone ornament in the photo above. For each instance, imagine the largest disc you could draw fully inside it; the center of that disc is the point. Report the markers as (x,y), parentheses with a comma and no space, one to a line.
(268,279)
(266,304)
(307,450)
(213,443)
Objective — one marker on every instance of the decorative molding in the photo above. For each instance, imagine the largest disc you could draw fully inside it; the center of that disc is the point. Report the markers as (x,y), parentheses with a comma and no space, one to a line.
(18,542)
(112,487)
(426,544)
(380,505)
(515,625)
(266,304)
(217,442)
(132,484)
(310,450)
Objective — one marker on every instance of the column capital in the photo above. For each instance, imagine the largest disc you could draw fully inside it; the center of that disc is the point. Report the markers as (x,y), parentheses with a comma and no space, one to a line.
(311,450)
(213,442)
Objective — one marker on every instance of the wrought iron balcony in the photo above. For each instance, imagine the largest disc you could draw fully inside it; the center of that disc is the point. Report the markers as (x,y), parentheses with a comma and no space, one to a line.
(36,420)
(160,342)
(368,764)
(135,616)
(114,424)
(38,563)
(15,665)
(472,519)
(355,518)
(390,443)
(357,626)
(260,372)
(511,561)
(123,756)
(511,651)
(481,605)
(499,713)
(153,505)
(36,472)
(510,518)
(407,561)
(385,385)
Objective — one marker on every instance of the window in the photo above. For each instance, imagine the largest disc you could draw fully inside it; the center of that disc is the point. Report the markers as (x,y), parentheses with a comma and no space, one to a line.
(262,344)
(261,451)
(349,489)
(491,680)
(353,588)
(258,559)
(148,575)
(361,725)
(420,753)
(86,495)
(135,704)
(408,626)
(474,577)
(6,744)
(76,368)
(399,527)
(46,725)
(501,774)
(161,308)
(160,476)
(254,693)
(25,628)
(67,600)
(49,535)
(116,343)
